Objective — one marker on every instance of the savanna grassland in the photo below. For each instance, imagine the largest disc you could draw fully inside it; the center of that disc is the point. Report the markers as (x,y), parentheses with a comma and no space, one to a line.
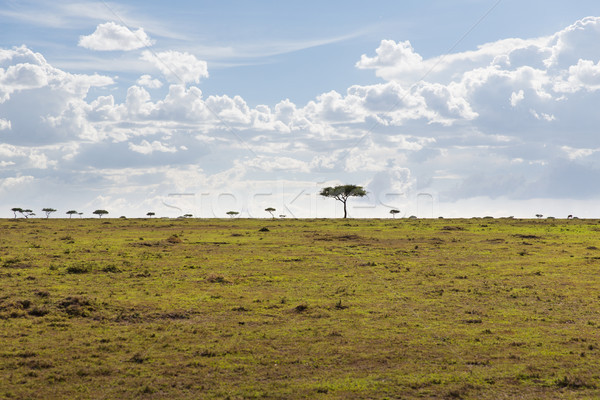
(319,309)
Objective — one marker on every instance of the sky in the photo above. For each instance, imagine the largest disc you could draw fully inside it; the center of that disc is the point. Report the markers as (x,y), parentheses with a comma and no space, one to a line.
(463,108)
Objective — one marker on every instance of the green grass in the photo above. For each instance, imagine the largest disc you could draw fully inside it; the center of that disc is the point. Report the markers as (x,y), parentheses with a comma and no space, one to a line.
(332,309)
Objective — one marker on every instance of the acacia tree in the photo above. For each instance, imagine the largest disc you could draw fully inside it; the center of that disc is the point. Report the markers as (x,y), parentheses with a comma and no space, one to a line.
(16,210)
(100,213)
(48,211)
(232,213)
(150,214)
(27,212)
(342,193)
(71,212)
(394,212)
(270,210)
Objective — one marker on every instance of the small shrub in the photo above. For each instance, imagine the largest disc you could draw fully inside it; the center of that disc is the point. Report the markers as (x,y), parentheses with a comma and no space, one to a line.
(76,306)
(10,262)
(174,239)
(26,354)
(148,390)
(301,308)
(138,358)
(111,269)
(216,279)
(38,312)
(79,269)
(24,304)
(207,353)
(340,306)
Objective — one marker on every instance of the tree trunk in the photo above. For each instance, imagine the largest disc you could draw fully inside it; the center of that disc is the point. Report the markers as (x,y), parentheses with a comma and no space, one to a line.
(345,212)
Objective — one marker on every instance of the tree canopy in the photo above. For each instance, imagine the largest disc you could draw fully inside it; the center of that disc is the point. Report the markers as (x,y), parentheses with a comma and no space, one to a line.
(27,213)
(71,212)
(100,213)
(48,211)
(343,192)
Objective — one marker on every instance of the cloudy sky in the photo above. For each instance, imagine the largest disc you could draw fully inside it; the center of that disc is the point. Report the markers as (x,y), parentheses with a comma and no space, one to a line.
(439,108)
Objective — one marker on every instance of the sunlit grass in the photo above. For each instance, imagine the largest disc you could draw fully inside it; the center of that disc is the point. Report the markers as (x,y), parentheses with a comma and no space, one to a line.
(477,308)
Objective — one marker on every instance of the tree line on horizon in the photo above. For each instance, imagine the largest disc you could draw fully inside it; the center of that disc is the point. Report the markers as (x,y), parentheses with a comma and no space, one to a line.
(26,212)
(340,193)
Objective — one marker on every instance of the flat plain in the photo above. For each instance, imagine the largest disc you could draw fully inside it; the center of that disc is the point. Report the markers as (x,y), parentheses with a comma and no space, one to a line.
(319,309)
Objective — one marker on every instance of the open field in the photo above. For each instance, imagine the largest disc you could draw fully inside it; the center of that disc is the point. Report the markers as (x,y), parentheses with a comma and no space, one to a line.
(320,309)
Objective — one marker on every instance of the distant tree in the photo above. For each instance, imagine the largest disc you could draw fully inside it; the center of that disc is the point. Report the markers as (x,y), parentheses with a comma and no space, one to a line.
(27,213)
(539,215)
(394,212)
(150,214)
(48,211)
(187,215)
(71,212)
(270,210)
(232,213)
(100,213)
(282,215)
(342,193)
(16,210)
(80,214)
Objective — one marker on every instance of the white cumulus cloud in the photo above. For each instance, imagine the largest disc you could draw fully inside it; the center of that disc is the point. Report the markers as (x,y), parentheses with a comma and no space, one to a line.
(147,81)
(4,124)
(515,98)
(111,36)
(146,147)
(178,67)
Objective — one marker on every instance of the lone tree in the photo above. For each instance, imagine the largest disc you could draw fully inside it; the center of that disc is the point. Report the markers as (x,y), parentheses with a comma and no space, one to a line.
(342,193)
(151,214)
(71,212)
(270,210)
(232,213)
(27,213)
(48,211)
(394,212)
(539,215)
(16,210)
(100,213)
